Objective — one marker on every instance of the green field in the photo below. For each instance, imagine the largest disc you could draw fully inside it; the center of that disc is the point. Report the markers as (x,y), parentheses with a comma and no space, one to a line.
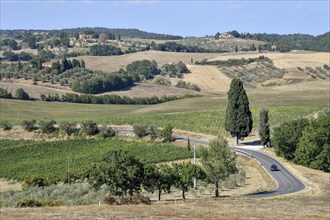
(200,114)
(21,158)
(208,121)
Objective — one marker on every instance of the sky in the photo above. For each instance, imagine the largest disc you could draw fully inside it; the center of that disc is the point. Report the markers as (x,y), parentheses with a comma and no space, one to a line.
(184,18)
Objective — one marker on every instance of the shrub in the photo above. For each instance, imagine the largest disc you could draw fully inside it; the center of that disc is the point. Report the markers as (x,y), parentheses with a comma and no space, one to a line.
(28,125)
(106,132)
(134,200)
(5,94)
(110,200)
(37,181)
(140,130)
(166,133)
(21,94)
(5,125)
(28,203)
(47,127)
(38,203)
(89,128)
(68,128)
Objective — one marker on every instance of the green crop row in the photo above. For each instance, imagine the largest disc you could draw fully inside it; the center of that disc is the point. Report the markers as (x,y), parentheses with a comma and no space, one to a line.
(21,158)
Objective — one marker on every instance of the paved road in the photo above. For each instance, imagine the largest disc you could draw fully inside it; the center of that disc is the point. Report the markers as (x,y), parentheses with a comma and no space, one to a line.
(285,180)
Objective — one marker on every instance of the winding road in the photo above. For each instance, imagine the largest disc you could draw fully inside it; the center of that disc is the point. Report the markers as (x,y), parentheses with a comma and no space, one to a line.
(286,181)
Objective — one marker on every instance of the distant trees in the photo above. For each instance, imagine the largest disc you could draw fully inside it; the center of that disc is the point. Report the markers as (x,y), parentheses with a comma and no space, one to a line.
(264,128)
(175,47)
(98,83)
(187,85)
(218,162)
(21,94)
(11,43)
(104,50)
(142,70)
(175,70)
(5,94)
(238,119)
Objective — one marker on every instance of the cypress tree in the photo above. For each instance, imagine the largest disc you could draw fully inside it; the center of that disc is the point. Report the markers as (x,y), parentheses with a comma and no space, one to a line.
(238,119)
(264,131)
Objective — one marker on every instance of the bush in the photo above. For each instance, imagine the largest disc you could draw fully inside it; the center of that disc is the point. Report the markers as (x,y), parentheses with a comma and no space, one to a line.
(37,181)
(47,127)
(28,203)
(110,200)
(140,130)
(68,128)
(89,128)
(134,200)
(38,203)
(5,94)
(5,125)
(106,132)
(28,125)
(21,94)
(166,133)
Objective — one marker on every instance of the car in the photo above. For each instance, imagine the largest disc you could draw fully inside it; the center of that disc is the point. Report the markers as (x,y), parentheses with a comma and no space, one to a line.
(273,167)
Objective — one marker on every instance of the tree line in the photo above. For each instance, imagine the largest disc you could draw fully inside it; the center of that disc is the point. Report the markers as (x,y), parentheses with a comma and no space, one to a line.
(305,142)
(109,99)
(287,42)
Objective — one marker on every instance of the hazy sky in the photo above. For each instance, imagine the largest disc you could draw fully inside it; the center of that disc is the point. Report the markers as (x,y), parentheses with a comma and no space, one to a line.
(185,18)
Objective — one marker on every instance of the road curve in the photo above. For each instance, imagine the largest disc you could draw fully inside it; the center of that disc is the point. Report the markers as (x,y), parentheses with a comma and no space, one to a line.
(286,181)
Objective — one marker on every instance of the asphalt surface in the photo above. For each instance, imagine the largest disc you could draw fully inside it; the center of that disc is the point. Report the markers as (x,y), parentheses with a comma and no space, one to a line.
(286,181)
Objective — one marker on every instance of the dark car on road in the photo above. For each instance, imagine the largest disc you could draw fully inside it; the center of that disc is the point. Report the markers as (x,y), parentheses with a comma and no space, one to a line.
(274,167)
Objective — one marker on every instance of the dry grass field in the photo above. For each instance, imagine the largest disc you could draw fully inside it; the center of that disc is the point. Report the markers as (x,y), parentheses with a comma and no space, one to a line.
(114,63)
(286,60)
(208,78)
(200,209)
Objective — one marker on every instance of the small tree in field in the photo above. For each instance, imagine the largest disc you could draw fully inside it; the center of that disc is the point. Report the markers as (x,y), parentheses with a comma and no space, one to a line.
(218,162)
(184,174)
(47,127)
(90,128)
(238,119)
(166,133)
(264,130)
(21,94)
(159,178)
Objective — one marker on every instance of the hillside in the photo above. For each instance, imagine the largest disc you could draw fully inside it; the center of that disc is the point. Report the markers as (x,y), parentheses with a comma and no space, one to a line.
(123,32)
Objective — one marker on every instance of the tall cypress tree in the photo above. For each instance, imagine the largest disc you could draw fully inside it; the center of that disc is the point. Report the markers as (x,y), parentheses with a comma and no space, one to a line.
(238,116)
(264,130)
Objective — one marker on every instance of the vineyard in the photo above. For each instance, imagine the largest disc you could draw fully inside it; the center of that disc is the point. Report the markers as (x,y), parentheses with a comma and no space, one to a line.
(55,159)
